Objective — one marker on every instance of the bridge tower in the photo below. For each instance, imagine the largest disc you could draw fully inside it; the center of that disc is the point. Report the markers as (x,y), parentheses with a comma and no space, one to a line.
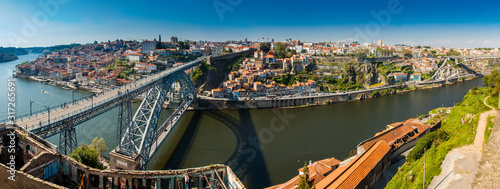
(67,140)
(137,135)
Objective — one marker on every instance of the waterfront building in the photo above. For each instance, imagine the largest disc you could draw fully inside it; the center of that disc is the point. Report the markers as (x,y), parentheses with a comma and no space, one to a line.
(400,76)
(361,171)
(416,77)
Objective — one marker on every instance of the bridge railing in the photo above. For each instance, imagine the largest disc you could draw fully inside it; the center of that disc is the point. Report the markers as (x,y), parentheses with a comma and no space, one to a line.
(52,108)
(132,88)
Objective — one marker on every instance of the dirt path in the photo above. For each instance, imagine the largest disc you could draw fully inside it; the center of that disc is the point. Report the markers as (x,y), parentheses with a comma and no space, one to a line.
(461,164)
(488,174)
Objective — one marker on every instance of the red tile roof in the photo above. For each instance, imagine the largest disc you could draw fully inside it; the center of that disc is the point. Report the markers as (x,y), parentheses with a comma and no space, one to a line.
(351,175)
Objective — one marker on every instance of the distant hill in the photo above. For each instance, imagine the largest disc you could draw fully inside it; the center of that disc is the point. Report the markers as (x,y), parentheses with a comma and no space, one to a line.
(13,50)
(6,57)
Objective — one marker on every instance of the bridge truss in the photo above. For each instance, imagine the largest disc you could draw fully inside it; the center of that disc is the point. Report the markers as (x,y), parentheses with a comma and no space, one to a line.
(146,115)
(142,131)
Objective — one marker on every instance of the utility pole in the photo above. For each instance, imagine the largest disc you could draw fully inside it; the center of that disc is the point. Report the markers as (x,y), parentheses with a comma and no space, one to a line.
(48,113)
(423,184)
(47,107)
(31,110)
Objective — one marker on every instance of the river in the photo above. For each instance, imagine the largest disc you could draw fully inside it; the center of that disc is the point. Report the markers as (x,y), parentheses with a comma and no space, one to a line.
(264,147)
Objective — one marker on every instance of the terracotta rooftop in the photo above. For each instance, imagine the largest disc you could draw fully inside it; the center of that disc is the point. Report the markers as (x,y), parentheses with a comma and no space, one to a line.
(395,131)
(317,172)
(351,175)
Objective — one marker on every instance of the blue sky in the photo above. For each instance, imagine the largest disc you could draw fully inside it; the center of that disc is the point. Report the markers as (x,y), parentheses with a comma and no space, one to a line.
(463,24)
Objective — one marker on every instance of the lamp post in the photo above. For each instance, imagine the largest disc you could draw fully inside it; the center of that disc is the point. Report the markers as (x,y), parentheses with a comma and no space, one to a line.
(47,107)
(31,111)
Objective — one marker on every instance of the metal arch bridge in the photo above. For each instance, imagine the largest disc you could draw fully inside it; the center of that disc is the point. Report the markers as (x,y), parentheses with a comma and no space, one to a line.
(137,133)
(446,72)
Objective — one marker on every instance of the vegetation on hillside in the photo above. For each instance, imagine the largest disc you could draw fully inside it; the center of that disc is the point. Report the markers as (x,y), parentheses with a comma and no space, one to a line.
(221,70)
(489,128)
(457,129)
(493,81)
(6,57)
(13,51)
(200,71)
(63,47)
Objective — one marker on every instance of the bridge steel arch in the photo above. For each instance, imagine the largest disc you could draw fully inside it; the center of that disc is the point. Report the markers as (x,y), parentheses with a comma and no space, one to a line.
(65,125)
(143,130)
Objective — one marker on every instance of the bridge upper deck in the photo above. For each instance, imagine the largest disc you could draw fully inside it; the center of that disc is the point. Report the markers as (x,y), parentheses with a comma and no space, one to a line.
(55,115)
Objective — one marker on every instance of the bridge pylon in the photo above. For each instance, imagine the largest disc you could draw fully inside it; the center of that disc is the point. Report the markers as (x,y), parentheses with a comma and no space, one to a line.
(67,140)
(139,133)
(124,119)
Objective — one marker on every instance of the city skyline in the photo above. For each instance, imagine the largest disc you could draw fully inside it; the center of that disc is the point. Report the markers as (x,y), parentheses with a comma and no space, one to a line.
(457,24)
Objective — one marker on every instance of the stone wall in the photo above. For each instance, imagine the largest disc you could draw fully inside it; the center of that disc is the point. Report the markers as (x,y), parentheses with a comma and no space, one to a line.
(22,180)
(214,103)
(211,60)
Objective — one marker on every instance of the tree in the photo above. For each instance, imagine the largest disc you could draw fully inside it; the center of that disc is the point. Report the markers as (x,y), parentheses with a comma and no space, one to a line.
(181,44)
(361,53)
(87,156)
(433,52)
(407,53)
(304,51)
(99,145)
(304,179)
(159,45)
(266,47)
(281,49)
(493,81)
(453,53)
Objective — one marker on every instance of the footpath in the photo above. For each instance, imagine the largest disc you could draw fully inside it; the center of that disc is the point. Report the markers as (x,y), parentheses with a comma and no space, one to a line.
(488,174)
(460,166)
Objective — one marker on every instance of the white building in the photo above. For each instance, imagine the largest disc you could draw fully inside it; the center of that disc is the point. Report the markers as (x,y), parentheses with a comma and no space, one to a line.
(148,47)
(133,57)
(144,68)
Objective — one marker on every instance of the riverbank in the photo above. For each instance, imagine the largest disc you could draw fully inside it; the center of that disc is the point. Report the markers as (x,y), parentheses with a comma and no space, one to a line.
(65,84)
(397,137)
(7,57)
(4,59)
(317,99)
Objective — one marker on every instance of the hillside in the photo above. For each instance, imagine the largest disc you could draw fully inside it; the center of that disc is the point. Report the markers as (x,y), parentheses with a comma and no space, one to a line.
(7,57)
(457,130)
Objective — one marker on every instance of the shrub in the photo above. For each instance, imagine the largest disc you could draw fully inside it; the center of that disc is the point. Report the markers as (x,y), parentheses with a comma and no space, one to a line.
(425,143)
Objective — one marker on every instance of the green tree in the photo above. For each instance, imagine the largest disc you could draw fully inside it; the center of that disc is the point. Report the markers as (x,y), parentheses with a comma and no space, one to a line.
(99,145)
(493,81)
(304,179)
(281,49)
(183,45)
(266,47)
(407,53)
(453,53)
(361,53)
(86,155)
